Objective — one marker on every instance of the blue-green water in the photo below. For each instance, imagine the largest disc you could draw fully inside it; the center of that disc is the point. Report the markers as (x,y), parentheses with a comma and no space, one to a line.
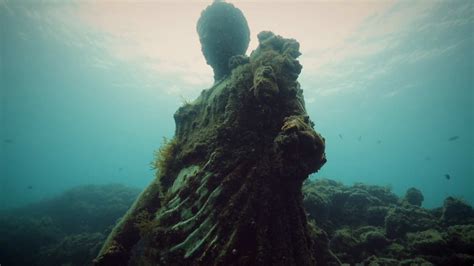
(75,111)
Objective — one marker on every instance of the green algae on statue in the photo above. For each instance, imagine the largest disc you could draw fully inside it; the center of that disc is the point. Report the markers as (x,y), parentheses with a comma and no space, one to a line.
(231,194)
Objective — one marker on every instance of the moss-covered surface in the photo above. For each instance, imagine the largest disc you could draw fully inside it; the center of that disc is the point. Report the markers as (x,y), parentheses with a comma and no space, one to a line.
(65,230)
(413,196)
(232,193)
(228,186)
(46,238)
(456,211)
(371,225)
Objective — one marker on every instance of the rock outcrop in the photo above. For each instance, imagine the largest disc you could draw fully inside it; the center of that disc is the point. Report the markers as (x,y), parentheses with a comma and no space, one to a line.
(414,196)
(228,187)
(369,225)
(47,236)
(68,229)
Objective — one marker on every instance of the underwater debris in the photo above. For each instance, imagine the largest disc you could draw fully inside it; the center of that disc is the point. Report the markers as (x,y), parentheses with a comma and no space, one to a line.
(230,194)
(453,138)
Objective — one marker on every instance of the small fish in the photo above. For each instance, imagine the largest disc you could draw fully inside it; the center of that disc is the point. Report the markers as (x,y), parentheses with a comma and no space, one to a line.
(453,138)
(30,187)
(120,169)
(447,176)
(340,136)
(8,141)
(360,138)
(379,141)
(427,158)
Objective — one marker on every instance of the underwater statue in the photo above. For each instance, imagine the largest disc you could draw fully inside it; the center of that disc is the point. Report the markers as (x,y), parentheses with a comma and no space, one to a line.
(228,185)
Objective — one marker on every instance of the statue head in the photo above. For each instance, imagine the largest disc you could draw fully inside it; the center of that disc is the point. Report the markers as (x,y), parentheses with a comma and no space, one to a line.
(223,33)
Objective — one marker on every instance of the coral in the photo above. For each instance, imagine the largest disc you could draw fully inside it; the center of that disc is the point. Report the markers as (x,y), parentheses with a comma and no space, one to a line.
(413,196)
(223,33)
(231,195)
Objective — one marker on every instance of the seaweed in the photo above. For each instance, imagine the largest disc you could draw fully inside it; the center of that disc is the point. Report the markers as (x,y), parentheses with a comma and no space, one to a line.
(165,158)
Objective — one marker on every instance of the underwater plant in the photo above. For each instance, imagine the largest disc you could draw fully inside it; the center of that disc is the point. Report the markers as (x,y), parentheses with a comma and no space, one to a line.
(164,156)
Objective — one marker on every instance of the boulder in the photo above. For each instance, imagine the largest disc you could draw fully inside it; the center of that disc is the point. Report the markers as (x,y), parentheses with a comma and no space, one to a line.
(413,196)
(456,211)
